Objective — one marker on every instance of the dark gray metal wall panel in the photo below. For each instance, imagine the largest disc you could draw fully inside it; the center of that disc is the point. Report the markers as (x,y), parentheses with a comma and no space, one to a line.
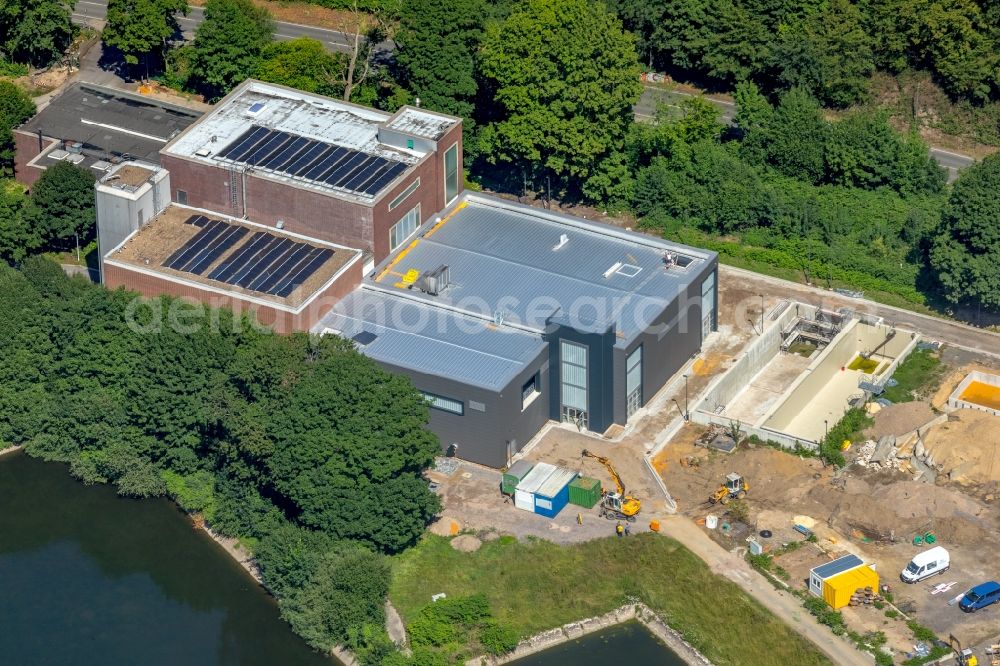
(600,369)
(482,436)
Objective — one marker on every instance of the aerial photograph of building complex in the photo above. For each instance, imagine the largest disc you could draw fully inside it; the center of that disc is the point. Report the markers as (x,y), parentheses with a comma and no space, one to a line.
(435,332)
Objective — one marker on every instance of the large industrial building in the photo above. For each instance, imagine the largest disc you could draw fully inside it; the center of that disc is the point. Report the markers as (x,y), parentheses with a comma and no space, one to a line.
(315,214)
(507,317)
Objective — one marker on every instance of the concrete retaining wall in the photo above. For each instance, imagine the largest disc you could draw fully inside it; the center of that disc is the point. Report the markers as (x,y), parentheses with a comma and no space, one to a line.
(634,611)
(756,356)
(955,401)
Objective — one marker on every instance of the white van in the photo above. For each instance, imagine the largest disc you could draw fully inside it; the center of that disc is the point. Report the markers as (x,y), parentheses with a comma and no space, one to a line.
(926,564)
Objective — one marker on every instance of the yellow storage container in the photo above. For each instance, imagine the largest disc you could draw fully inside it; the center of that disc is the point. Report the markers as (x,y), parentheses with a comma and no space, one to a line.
(837,590)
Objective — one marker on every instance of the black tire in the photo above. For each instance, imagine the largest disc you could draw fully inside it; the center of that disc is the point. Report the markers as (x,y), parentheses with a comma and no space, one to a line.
(741,494)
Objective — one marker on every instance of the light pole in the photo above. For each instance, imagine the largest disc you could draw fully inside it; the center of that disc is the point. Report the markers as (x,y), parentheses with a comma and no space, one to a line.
(687,411)
(826,429)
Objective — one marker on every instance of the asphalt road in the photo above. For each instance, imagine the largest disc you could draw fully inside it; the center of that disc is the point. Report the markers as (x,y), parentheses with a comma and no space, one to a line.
(652,96)
(93,13)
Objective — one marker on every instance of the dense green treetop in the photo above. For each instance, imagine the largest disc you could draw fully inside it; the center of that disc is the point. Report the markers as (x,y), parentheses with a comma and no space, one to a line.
(437,42)
(566,77)
(966,255)
(303,64)
(138,28)
(228,45)
(62,202)
(35,31)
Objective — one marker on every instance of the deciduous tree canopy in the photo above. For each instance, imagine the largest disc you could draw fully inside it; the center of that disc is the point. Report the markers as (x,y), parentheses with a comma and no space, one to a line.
(139,28)
(35,31)
(228,45)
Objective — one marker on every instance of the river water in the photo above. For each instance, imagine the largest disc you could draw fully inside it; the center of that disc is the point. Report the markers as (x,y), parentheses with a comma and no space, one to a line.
(628,643)
(89,578)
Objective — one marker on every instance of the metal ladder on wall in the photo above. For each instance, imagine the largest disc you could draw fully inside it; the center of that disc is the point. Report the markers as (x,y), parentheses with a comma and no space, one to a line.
(234,195)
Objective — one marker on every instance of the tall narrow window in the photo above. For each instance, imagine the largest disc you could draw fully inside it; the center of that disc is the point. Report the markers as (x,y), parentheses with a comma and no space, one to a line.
(451,174)
(404,228)
(633,382)
(573,376)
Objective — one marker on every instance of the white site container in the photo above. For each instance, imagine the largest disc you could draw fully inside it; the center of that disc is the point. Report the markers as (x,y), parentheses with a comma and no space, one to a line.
(524,494)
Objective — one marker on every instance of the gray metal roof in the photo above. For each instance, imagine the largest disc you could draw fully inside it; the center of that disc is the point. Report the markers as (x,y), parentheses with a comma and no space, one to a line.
(838,566)
(421,123)
(432,340)
(111,122)
(530,268)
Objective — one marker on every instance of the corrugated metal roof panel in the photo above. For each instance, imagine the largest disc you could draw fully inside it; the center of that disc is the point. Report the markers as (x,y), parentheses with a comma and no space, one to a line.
(532,267)
(536,477)
(413,335)
(421,123)
(838,566)
(556,482)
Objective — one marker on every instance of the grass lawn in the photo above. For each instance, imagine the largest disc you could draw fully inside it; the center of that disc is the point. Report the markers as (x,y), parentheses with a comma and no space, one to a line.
(920,373)
(536,585)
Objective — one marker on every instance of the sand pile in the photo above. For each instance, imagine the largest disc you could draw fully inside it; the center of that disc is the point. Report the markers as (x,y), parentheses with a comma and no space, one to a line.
(906,508)
(900,419)
(967,450)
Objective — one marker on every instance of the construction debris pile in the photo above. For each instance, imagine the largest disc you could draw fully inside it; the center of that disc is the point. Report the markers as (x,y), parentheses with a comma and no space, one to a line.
(864,597)
(879,455)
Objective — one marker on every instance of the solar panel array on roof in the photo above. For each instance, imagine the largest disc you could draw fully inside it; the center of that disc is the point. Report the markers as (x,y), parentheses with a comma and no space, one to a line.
(265,263)
(313,160)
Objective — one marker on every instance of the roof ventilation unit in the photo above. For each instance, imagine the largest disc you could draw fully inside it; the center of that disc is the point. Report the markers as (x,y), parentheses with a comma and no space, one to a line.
(563,239)
(435,281)
(614,269)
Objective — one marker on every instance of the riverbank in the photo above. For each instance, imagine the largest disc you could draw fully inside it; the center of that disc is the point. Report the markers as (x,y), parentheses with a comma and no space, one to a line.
(9,449)
(637,611)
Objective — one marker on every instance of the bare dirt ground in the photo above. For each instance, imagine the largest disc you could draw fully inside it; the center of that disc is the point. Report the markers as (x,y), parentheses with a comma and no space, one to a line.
(899,419)
(303,13)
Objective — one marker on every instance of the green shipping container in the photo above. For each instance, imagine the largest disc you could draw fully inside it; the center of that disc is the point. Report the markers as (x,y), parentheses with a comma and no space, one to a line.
(513,476)
(585,492)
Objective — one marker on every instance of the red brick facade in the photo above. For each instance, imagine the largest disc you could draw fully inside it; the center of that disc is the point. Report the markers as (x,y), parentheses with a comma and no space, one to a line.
(26,149)
(311,212)
(279,320)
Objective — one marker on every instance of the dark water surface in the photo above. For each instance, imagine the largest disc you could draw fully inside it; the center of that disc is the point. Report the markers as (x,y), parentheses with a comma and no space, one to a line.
(89,578)
(628,643)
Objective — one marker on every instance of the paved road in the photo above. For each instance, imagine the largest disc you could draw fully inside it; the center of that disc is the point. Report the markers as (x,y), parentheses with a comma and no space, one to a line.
(93,13)
(782,604)
(652,96)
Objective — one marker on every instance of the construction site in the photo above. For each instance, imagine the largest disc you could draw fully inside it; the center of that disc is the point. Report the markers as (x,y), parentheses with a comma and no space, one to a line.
(731,444)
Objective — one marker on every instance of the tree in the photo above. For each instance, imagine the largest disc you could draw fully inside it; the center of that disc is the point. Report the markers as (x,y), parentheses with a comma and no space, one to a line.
(829,55)
(437,42)
(966,255)
(797,137)
(15,108)
(228,45)
(62,203)
(139,28)
(364,33)
(17,238)
(754,115)
(303,64)
(863,150)
(35,31)
(566,77)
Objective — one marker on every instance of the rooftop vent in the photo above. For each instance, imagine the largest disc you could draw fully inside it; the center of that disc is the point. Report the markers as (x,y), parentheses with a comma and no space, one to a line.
(280,224)
(563,239)
(614,269)
(101,165)
(435,281)
(58,154)
(364,338)
(203,152)
(75,159)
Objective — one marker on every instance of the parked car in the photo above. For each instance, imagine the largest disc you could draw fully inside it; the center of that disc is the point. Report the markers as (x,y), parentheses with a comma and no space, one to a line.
(926,564)
(980,596)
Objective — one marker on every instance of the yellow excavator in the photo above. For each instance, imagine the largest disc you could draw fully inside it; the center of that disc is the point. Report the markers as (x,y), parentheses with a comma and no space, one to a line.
(616,505)
(735,487)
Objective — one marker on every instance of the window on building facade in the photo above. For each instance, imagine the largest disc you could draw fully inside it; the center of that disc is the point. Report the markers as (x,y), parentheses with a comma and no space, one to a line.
(182,197)
(445,404)
(404,228)
(404,194)
(529,392)
(451,174)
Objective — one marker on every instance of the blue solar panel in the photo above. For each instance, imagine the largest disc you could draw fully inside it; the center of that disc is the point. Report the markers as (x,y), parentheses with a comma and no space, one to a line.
(268,270)
(281,270)
(237,150)
(312,160)
(237,259)
(216,250)
(283,289)
(194,245)
(253,269)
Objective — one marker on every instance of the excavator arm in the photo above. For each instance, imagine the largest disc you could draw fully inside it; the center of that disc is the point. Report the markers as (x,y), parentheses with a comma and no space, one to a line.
(619,486)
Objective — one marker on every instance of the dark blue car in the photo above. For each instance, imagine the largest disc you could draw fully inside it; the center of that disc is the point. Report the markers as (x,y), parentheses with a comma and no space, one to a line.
(980,596)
